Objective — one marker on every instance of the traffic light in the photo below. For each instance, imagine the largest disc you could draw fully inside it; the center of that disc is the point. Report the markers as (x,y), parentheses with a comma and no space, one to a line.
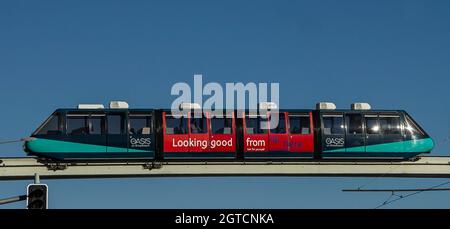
(37,196)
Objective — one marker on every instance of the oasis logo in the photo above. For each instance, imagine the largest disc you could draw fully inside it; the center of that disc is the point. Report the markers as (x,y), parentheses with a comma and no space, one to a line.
(334,142)
(140,142)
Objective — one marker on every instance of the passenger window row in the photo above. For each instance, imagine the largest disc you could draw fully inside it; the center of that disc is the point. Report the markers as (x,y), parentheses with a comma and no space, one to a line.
(374,124)
(298,124)
(255,124)
(179,125)
(387,124)
(97,124)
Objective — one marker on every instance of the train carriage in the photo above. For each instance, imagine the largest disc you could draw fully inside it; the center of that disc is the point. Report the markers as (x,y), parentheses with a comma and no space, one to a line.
(92,132)
(95,134)
(371,134)
(198,136)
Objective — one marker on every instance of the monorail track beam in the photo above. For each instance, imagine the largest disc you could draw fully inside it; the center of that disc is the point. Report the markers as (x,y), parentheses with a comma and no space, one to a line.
(27,167)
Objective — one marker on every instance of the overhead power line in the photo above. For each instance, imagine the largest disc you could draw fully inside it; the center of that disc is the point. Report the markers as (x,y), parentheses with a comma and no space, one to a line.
(397,190)
(15,140)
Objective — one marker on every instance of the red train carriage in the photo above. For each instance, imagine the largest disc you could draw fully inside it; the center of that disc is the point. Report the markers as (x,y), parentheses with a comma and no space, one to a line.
(198,135)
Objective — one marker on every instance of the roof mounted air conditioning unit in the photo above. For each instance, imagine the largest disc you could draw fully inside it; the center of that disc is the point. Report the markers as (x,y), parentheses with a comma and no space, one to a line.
(91,106)
(325,106)
(190,106)
(118,105)
(267,105)
(360,106)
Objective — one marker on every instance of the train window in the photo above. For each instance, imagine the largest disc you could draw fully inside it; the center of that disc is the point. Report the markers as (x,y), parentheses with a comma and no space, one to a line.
(140,124)
(198,125)
(51,126)
(222,125)
(354,123)
(97,124)
(115,124)
(176,125)
(412,128)
(299,124)
(281,127)
(333,124)
(77,124)
(372,126)
(390,124)
(256,124)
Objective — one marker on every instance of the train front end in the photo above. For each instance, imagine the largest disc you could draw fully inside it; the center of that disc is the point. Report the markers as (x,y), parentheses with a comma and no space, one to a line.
(416,140)
(43,141)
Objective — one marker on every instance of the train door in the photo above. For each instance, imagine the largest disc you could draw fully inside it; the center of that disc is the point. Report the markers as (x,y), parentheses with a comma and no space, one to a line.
(373,133)
(278,136)
(256,135)
(97,130)
(198,133)
(223,138)
(333,135)
(77,129)
(301,134)
(175,134)
(391,133)
(355,137)
(141,135)
(117,138)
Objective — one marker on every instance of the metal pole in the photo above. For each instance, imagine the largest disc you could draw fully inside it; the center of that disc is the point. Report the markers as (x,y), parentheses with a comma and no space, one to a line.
(36,178)
(13,199)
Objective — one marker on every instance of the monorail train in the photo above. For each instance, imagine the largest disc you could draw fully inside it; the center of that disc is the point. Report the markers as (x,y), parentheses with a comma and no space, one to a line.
(91,132)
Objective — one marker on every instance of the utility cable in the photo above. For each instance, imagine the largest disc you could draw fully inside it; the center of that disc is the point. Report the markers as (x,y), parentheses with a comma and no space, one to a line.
(15,140)
(389,201)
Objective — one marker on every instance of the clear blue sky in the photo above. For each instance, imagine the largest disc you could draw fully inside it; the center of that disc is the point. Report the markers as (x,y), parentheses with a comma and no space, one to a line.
(392,54)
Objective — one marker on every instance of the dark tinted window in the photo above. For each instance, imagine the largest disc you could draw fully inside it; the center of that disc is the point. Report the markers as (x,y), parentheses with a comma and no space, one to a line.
(115,124)
(199,125)
(299,124)
(333,125)
(97,124)
(221,125)
(140,124)
(372,126)
(77,124)
(390,124)
(354,123)
(281,127)
(176,125)
(412,128)
(256,124)
(51,126)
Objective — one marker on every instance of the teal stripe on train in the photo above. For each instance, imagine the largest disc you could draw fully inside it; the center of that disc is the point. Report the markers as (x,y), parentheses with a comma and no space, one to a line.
(410,146)
(55,146)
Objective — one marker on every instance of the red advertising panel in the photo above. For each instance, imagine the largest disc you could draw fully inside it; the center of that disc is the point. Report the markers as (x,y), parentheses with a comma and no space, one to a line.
(256,136)
(278,135)
(198,133)
(223,131)
(176,134)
